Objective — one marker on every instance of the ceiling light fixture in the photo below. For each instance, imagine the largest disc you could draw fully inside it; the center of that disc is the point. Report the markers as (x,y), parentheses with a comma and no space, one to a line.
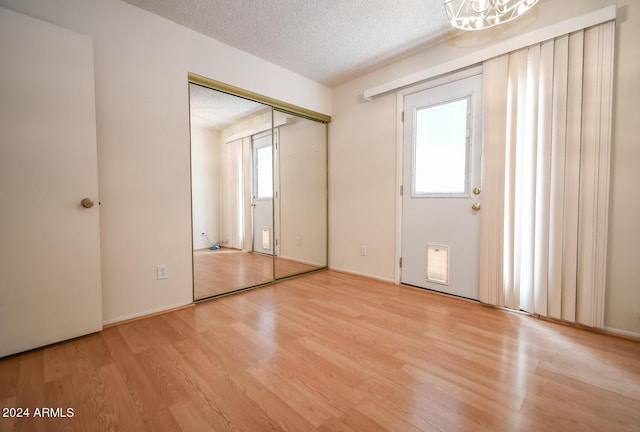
(482,14)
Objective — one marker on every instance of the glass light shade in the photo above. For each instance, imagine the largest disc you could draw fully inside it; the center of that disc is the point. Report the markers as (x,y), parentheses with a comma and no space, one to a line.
(482,14)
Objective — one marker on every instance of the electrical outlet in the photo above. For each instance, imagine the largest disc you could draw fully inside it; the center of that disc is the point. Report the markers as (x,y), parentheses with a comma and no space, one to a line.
(162,271)
(363,250)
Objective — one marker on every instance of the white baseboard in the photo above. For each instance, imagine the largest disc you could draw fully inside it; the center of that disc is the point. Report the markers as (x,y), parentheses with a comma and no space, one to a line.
(311,263)
(145,313)
(622,332)
(367,275)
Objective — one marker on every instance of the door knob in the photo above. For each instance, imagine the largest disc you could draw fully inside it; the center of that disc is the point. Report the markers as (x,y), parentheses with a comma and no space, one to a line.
(476,206)
(87,203)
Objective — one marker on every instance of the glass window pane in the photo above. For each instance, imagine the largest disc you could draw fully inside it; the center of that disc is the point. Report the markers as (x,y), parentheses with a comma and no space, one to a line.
(440,165)
(265,172)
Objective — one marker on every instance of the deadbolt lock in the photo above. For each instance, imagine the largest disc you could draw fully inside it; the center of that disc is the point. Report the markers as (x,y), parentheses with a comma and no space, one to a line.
(476,191)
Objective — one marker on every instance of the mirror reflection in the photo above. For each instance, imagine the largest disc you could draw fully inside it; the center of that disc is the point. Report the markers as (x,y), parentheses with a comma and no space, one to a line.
(301,206)
(259,193)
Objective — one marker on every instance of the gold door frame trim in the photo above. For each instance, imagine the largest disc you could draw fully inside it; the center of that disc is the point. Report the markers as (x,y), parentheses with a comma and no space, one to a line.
(275,103)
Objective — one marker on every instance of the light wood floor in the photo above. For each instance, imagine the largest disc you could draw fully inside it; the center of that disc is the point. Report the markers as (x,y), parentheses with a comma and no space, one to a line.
(331,352)
(223,270)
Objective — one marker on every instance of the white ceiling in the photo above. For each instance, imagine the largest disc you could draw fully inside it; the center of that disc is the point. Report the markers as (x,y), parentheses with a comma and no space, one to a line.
(328,41)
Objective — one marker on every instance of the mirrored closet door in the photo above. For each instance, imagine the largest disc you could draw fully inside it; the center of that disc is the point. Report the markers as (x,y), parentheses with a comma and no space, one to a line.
(301,190)
(259,192)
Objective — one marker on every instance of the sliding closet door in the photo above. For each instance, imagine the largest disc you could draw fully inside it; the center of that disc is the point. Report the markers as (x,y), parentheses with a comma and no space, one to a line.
(232,190)
(301,197)
(259,189)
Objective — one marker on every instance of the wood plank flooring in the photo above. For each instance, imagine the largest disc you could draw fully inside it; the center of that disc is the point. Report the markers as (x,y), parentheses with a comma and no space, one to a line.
(224,270)
(330,352)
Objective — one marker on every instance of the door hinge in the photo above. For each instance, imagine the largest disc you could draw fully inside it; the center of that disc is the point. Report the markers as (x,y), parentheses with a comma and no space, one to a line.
(401,190)
(402,116)
(400,262)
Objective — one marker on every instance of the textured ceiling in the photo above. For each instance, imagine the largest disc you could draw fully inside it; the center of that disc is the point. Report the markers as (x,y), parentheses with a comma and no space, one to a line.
(328,41)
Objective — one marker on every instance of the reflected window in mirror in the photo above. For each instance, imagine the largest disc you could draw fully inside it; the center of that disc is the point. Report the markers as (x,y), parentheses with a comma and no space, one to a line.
(259,193)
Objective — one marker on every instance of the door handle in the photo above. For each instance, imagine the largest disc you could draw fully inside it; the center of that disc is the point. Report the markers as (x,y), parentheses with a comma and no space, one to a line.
(86,203)
(476,206)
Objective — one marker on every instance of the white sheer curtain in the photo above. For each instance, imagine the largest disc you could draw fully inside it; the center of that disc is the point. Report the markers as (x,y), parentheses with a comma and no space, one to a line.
(547,138)
(232,194)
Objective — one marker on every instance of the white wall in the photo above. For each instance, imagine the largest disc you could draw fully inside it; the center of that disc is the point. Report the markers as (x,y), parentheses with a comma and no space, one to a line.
(205,185)
(362,164)
(141,65)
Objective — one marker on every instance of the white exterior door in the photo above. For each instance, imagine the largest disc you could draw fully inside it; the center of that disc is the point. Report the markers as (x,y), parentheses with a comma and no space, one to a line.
(50,281)
(263,193)
(441,180)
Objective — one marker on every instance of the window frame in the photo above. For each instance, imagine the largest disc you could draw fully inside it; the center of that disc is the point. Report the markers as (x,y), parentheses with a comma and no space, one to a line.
(468,150)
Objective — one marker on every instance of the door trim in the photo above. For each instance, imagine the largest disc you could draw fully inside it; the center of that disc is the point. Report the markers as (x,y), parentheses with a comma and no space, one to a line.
(400,95)
(260,239)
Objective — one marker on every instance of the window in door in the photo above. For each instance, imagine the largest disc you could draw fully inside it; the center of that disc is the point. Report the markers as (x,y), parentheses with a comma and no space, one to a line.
(264,172)
(441,149)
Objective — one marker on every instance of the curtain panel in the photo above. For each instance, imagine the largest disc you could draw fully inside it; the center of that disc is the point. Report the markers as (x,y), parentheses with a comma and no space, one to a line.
(547,139)
(233,176)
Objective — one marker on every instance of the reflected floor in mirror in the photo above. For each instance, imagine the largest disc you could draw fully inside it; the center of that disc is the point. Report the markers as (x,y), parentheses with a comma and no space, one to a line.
(222,270)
